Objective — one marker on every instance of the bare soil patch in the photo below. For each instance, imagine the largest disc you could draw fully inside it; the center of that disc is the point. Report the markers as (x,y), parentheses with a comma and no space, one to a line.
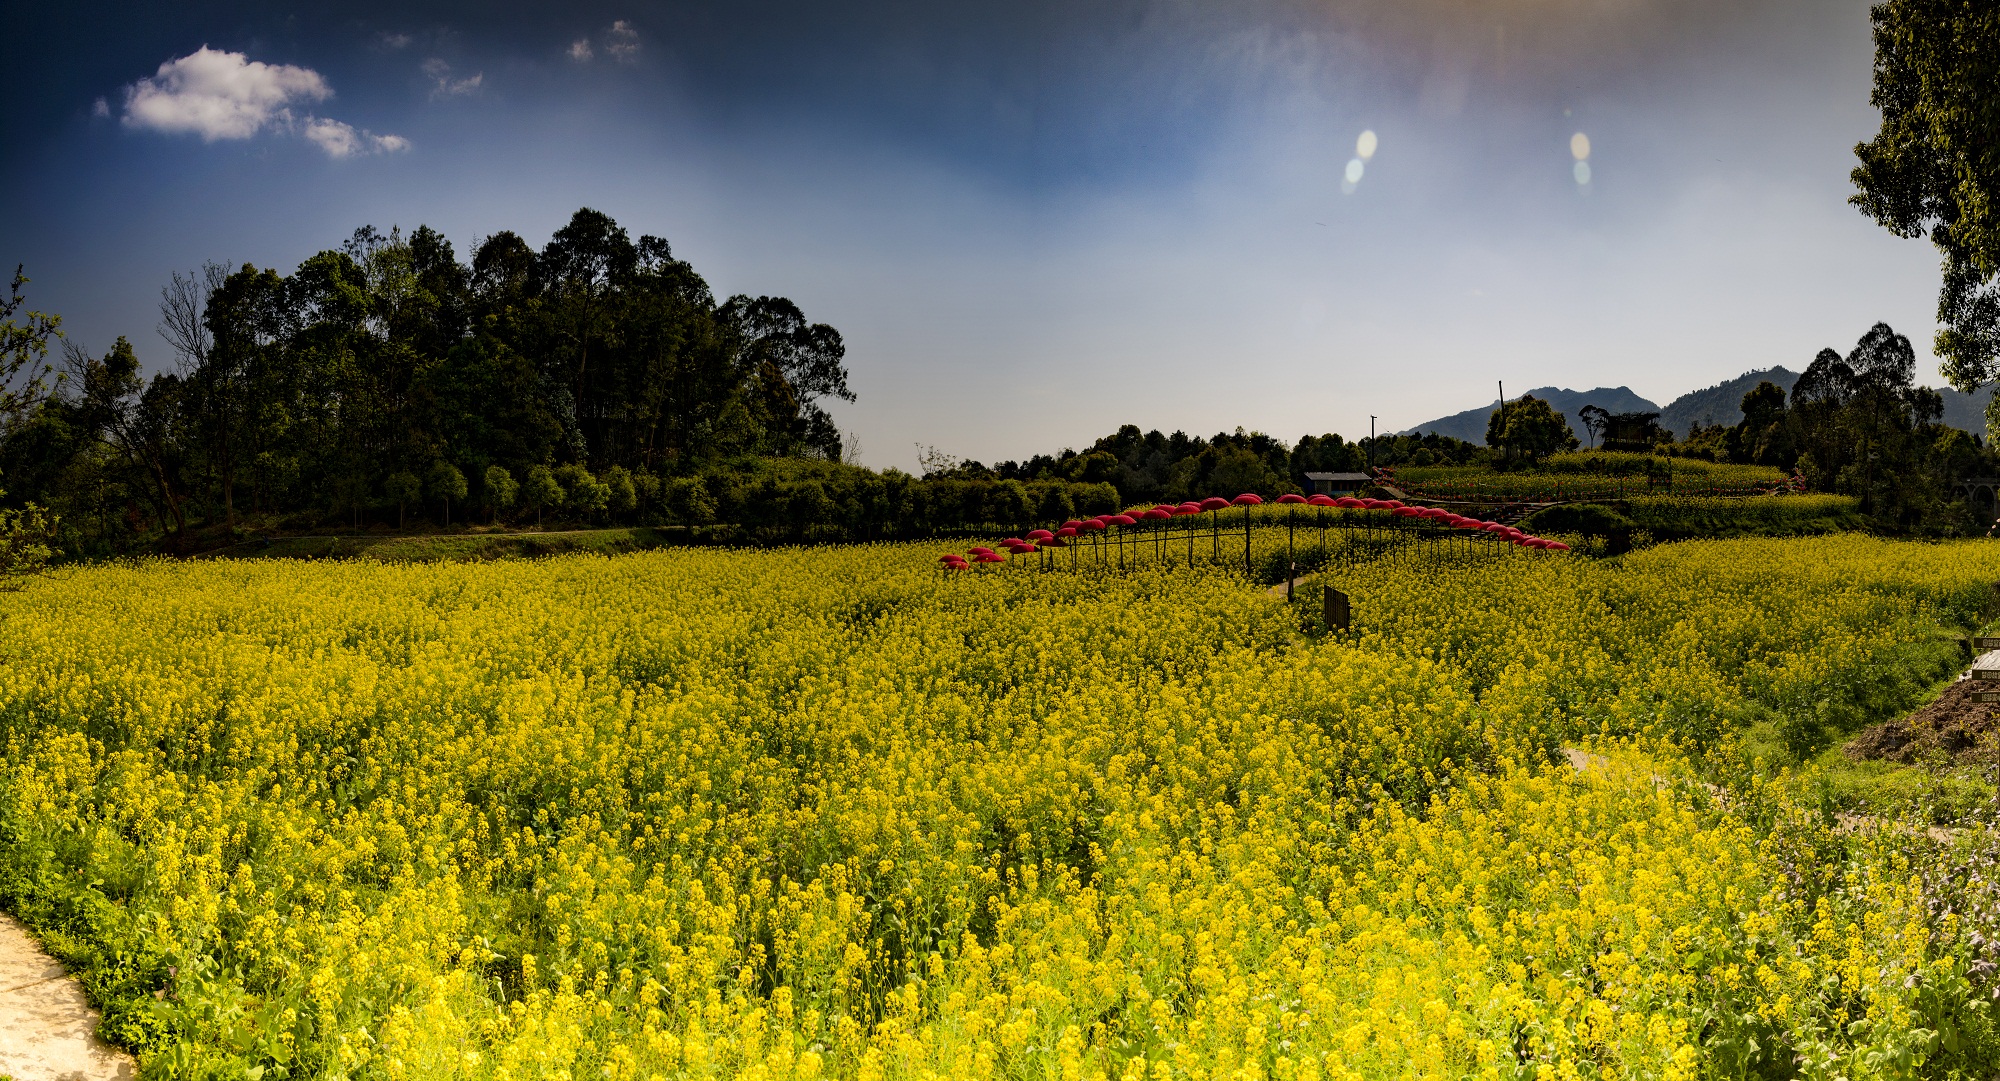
(1952,726)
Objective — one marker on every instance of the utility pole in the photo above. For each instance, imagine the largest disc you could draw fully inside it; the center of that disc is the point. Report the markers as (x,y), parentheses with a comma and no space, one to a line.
(1503,414)
(1368,459)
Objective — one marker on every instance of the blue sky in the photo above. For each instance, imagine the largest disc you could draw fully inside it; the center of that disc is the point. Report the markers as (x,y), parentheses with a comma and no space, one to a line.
(1032,222)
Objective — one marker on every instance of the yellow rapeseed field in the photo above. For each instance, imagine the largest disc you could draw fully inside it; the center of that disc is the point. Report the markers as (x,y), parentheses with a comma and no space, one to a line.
(831,813)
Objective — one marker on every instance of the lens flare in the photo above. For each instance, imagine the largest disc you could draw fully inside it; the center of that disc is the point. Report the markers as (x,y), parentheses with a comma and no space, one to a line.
(1365,146)
(1579,146)
(1582,172)
(1354,170)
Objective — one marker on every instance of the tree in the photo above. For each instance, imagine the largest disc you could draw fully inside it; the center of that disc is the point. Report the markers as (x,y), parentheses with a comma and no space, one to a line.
(1932,169)
(541,490)
(1529,428)
(1594,419)
(624,494)
(1239,470)
(24,352)
(445,482)
(402,486)
(1760,437)
(500,489)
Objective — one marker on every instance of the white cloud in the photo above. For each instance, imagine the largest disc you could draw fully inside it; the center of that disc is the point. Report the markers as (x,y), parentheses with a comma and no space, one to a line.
(621,42)
(341,140)
(394,41)
(219,95)
(223,95)
(444,85)
(100,108)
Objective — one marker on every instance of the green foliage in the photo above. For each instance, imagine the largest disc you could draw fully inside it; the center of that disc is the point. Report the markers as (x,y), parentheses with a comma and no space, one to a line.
(25,533)
(500,488)
(540,490)
(1528,428)
(24,351)
(1932,169)
(1676,517)
(1587,519)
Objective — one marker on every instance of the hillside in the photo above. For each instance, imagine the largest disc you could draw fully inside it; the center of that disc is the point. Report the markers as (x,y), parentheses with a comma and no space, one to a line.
(1721,403)
(1471,424)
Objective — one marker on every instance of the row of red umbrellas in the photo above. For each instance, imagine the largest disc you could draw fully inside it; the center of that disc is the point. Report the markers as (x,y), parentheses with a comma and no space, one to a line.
(1061,536)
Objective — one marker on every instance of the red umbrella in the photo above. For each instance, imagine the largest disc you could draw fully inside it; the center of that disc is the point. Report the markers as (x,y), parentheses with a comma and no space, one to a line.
(1159,512)
(1248,499)
(1072,524)
(1375,504)
(1494,527)
(1292,497)
(1121,519)
(1433,512)
(1056,542)
(1188,508)
(1066,531)
(1467,523)
(980,551)
(1013,540)
(1094,523)
(1392,504)
(1558,546)
(1214,502)
(949,556)
(1346,502)
(991,557)
(1404,512)
(1040,535)
(956,566)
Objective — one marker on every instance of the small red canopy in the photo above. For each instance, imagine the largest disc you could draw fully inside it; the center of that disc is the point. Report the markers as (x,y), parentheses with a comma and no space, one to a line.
(1404,512)
(1214,502)
(1467,523)
(1433,512)
(1055,542)
(1039,534)
(1158,513)
(1095,523)
(1558,546)
(1188,508)
(980,551)
(1494,527)
(1375,504)
(1122,519)
(1347,502)
(1392,504)
(1248,499)
(1066,531)
(957,565)
(1164,509)
(1072,524)
(1291,497)
(991,557)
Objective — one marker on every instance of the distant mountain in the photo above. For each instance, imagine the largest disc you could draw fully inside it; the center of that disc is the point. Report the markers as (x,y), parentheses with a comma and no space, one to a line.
(1967,411)
(1471,424)
(1721,403)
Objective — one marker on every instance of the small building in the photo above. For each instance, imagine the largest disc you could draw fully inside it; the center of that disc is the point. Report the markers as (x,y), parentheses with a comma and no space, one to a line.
(1338,483)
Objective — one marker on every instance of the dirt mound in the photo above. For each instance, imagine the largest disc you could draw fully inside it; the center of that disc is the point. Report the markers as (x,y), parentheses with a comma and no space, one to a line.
(1954,726)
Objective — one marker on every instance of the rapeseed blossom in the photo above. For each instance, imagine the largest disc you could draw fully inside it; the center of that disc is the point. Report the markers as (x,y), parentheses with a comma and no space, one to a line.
(831,813)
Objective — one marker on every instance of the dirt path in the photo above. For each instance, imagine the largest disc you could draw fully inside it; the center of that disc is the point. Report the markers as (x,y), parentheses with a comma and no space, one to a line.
(47,1028)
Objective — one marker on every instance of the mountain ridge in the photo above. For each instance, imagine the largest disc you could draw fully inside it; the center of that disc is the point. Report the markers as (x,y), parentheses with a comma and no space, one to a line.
(1721,404)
